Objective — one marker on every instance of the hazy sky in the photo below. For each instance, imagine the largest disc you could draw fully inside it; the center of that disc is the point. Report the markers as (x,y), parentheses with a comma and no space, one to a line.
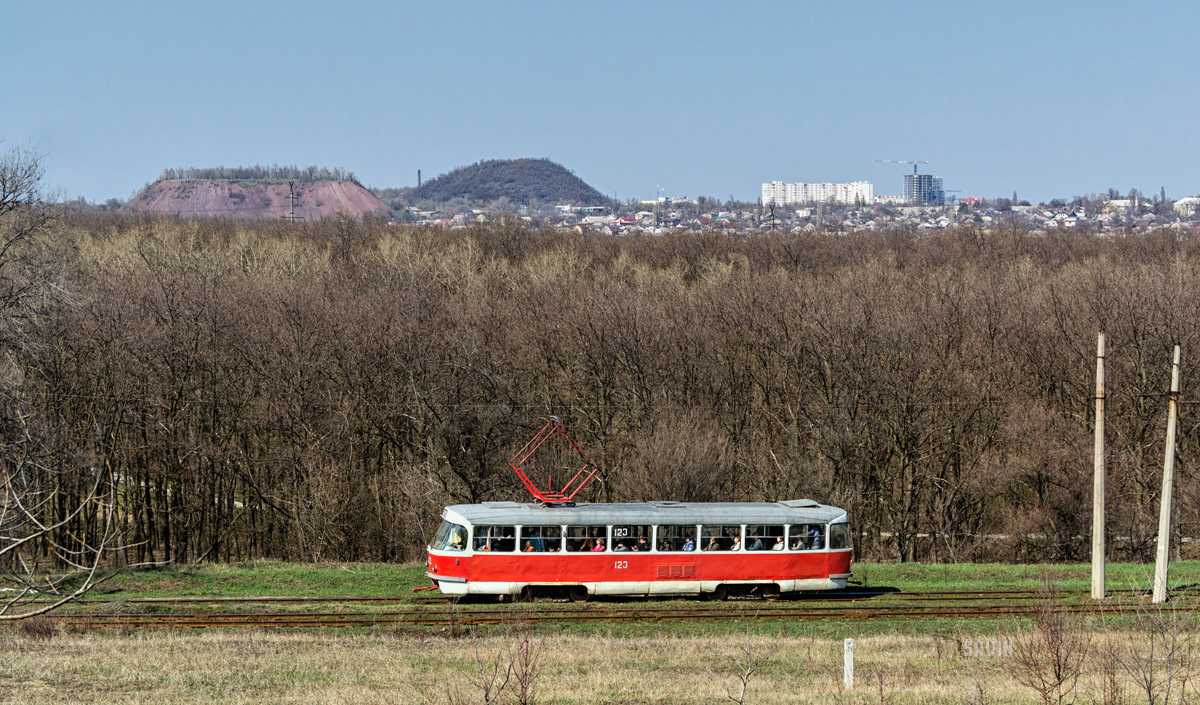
(1045,98)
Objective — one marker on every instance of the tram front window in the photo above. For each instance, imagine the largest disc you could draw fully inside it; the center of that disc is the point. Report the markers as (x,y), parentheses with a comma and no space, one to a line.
(839,536)
(450,537)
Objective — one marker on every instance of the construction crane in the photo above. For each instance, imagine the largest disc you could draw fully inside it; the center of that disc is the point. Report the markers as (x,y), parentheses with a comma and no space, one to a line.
(901,161)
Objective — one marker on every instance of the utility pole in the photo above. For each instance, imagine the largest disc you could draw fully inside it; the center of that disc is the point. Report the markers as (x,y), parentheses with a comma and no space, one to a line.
(1098,482)
(1164,511)
(291,216)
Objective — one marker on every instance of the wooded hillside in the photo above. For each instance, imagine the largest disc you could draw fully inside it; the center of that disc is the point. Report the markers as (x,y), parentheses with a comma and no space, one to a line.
(321,390)
(521,181)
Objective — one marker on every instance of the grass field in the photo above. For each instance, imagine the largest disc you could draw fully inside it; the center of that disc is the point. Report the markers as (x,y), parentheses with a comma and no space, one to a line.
(587,664)
(367,579)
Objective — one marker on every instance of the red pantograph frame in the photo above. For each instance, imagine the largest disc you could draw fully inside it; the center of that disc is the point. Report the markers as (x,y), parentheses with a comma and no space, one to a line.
(566,494)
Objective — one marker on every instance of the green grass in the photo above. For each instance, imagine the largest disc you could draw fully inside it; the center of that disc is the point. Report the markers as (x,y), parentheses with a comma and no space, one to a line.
(261,578)
(985,576)
(384,579)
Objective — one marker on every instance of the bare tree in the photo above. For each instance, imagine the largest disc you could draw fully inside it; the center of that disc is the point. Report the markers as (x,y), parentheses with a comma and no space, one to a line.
(1048,659)
(57,511)
(1158,655)
(748,660)
(525,654)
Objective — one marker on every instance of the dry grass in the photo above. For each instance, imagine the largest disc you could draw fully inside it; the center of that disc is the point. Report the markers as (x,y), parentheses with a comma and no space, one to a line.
(364,668)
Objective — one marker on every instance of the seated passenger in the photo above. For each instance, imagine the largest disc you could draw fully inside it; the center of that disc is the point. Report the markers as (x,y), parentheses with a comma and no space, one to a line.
(620,546)
(713,545)
(529,547)
(737,544)
(599,546)
(642,544)
(688,545)
(756,545)
(666,545)
(778,544)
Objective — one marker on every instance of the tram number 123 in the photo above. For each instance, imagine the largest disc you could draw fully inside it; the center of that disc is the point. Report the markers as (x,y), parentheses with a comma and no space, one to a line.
(620,565)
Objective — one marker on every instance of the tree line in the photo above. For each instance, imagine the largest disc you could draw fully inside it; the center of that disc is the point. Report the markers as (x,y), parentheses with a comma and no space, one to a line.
(258,172)
(321,390)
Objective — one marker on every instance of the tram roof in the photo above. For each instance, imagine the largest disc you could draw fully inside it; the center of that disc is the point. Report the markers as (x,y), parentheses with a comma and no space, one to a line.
(797,511)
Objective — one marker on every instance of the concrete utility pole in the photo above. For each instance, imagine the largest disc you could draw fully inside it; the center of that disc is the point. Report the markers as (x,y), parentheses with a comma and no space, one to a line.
(1098,552)
(1164,512)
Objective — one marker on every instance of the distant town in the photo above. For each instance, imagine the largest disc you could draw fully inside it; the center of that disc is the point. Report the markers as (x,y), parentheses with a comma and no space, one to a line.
(1104,212)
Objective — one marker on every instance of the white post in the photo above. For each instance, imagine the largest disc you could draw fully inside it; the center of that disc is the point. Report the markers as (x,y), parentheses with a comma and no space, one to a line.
(848,665)
(1098,482)
(1164,511)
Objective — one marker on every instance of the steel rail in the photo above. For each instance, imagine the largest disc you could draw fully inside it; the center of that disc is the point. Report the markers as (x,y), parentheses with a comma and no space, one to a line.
(806,596)
(563,615)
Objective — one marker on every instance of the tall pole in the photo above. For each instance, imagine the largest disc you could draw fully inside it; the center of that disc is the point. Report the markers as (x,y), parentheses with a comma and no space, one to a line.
(1098,483)
(1164,512)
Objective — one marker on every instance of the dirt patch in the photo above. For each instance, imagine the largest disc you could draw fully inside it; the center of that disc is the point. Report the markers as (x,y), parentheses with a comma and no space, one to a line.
(220,199)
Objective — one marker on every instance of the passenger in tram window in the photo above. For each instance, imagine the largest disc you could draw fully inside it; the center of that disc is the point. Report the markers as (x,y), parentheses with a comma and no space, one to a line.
(688,544)
(756,545)
(642,544)
(713,545)
(599,546)
(529,547)
(737,544)
(620,546)
(778,544)
(666,545)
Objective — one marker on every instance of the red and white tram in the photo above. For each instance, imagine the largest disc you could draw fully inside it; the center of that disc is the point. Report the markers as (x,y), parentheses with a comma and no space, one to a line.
(653,548)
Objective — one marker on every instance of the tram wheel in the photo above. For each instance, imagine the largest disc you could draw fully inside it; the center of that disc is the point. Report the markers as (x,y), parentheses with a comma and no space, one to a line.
(716,595)
(578,593)
(526,595)
(770,592)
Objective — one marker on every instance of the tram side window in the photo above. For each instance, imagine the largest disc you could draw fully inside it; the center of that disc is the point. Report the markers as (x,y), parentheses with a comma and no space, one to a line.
(764,537)
(496,538)
(721,537)
(631,538)
(450,537)
(677,538)
(807,537)
(581,539)
(839,536)
(541,539)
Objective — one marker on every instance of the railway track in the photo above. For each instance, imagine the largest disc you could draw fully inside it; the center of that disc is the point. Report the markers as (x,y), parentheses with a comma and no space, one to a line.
(458,616)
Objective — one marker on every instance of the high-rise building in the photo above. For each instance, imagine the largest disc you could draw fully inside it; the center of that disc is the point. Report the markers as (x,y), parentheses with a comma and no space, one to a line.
(924,190)
(782,194)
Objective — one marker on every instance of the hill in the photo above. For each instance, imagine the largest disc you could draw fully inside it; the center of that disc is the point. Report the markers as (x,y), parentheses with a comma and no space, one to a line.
(236,199)
(519,180)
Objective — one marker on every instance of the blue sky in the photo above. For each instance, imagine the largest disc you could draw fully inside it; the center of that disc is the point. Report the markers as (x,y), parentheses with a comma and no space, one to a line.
(1048,99)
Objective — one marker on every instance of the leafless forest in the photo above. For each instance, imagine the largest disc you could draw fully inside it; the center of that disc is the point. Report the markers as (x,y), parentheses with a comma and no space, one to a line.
(319,391)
